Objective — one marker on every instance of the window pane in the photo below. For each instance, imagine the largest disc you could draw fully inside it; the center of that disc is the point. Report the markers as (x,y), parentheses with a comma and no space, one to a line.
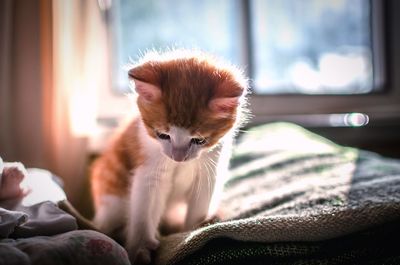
(312,46)
(141,25)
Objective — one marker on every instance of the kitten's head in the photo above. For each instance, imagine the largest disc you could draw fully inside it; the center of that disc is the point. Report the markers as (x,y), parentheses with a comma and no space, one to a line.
(188,101)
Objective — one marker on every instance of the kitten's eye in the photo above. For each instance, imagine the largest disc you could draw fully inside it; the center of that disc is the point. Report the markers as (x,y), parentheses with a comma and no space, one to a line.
(163,136)
(198,141)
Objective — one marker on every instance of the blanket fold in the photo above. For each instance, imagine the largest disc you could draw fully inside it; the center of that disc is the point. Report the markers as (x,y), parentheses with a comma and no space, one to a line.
(35,213)
(9,220)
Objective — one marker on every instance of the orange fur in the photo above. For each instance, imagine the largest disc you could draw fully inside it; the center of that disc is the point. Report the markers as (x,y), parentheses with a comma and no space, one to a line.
(188,84)
(110,174)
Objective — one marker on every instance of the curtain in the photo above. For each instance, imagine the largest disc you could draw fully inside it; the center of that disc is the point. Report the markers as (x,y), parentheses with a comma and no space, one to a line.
(79,71)
(53,63)
(21,120)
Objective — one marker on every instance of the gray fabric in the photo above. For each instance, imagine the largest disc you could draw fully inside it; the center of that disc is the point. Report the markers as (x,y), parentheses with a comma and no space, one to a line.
(9,220)
(37,212)
(44,219)
(34,231)
(290,185)
(75,247)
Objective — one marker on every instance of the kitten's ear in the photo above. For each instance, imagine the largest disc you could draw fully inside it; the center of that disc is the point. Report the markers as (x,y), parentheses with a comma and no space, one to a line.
(147,91)
(223,107)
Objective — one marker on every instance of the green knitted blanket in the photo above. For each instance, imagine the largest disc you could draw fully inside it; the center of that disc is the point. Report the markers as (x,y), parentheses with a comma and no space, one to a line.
(297,198)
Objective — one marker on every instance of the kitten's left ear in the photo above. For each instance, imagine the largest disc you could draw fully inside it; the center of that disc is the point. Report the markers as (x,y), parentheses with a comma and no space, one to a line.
(223,107)
(142,76)
(147,91)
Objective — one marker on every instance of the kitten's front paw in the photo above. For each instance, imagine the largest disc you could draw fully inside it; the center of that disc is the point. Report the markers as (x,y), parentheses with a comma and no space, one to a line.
(141,253)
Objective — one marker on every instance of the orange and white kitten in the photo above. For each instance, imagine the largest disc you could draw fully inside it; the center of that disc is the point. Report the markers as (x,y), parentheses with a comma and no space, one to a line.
(168,166)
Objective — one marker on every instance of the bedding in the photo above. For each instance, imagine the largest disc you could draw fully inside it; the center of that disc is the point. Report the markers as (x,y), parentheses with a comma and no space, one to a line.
(33,230)
(297,198)
(293,198)
(78,247)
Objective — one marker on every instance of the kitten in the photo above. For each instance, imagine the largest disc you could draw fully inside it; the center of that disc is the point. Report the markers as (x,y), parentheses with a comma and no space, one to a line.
(167,167)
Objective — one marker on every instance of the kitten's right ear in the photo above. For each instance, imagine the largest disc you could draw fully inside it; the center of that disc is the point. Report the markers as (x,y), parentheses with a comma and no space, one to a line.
(148,91)
(223,107)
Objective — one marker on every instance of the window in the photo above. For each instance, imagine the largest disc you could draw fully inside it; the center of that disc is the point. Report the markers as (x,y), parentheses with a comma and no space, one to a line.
(230,28)
(312,47)
(153,24)
(286,46)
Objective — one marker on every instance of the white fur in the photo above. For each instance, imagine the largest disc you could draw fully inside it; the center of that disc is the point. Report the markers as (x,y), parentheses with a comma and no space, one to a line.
(160,184)
(110,214)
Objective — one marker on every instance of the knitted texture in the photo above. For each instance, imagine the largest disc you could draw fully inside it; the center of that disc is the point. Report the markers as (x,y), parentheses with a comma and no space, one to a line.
(288,186)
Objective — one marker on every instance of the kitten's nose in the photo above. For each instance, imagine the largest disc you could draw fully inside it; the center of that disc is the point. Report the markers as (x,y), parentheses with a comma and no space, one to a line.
(179,154)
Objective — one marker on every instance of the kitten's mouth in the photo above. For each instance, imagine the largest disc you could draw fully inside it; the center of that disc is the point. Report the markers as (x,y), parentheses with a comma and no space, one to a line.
(179,154)
(179,158)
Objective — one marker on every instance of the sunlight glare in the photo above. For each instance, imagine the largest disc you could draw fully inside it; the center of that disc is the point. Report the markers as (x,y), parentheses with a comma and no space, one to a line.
(82,113)
(348,119)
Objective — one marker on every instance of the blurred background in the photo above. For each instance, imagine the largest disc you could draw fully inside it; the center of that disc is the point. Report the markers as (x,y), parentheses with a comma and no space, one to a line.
(331,66)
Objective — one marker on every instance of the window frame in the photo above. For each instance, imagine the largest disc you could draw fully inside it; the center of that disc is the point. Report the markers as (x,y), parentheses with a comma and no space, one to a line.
(271,107)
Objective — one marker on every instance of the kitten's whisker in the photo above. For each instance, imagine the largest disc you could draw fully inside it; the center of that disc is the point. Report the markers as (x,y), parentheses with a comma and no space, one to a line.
(209,178)
(213,168)
(204,166)
(190,152)
(212,162)
(198,182)
(194,187)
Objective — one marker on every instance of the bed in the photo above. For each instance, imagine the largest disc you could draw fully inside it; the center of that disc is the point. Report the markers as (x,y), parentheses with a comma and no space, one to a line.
(293,197)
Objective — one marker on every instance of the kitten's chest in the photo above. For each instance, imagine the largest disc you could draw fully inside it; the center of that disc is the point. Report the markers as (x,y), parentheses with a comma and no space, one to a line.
(182,178)
(169,178)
